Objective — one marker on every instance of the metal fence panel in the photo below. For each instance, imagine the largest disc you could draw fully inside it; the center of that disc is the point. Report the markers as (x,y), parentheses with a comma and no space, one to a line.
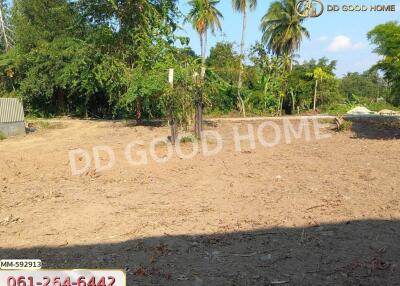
(11,110)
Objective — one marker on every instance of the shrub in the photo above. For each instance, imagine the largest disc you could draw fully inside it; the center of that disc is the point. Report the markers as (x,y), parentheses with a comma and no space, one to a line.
(345,126)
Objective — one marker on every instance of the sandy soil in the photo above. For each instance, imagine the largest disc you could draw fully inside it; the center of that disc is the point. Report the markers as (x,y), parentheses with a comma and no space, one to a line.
(319,212)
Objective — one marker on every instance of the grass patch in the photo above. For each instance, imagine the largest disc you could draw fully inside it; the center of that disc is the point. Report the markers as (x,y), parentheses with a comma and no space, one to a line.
(378,106)
(325,120)
(338,109)
(341,109)
(188,139)
(2,136)
(43,124)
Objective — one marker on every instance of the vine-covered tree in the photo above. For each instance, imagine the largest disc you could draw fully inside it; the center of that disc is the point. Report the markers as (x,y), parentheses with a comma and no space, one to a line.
(203,16)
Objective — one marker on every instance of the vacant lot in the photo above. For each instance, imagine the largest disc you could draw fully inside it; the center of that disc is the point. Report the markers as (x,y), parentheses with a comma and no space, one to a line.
(319,212)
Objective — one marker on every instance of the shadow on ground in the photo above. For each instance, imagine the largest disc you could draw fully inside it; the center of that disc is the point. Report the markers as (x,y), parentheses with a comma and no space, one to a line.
(352,253)
(383,130)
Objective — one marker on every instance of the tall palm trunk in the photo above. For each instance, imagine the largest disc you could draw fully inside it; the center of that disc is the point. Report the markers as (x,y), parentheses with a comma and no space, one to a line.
(291,91)
(240,80)
(199,99)
(203,51)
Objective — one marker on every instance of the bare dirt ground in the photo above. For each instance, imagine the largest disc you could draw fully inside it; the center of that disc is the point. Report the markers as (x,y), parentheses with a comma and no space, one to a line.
(323,212)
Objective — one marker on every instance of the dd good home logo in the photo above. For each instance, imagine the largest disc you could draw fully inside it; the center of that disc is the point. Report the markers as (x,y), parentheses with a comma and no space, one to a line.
(310,8)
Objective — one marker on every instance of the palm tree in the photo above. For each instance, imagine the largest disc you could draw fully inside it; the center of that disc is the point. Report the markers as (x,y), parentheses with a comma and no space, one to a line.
(242,6)
(203,15)
(282,28)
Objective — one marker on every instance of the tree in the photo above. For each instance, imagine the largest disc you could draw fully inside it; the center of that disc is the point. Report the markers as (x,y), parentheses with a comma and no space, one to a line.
(387,39)
(224,61)
(83,57)
(282,28)
(128,29)
(40,21)
(203,15)
(242,6)
(6,34)
(364,88)
(318,75)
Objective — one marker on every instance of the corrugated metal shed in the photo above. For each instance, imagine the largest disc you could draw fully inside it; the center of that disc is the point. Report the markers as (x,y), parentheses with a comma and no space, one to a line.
(11,117)
(11,110)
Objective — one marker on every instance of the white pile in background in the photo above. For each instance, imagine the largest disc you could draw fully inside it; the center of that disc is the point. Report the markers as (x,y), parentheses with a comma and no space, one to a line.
(360,110)
(388,112)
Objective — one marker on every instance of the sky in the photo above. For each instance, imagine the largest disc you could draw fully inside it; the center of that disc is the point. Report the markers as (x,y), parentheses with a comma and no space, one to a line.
(340,36)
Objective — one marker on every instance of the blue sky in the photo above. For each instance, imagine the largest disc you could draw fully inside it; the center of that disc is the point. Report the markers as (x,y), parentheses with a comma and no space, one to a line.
(338,36)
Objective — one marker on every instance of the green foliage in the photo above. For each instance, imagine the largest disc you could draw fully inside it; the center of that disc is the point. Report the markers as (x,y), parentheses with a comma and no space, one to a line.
(224,61)
(283,28)
(2,136)
(386,37)
(204,15)
(188,139)
(338,108)
(363,88)
(378,106)
(345,126)
(110,59)
(259,102)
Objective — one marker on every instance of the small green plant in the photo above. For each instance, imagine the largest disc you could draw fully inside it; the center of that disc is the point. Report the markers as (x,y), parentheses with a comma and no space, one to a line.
(42,124)
(338,109)
(187,139)
(345,125)
(2,136)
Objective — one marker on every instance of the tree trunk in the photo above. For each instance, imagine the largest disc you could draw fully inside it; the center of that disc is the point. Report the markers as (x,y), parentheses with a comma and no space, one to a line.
(315,95)
(241,68)
(199,98)
(293,102)
(279,105)
(138,110)
(3,30)
(203,43)
(174,129)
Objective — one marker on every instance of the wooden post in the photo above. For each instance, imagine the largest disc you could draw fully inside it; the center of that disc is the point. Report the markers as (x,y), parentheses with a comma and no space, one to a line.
(171,77)
(172,119)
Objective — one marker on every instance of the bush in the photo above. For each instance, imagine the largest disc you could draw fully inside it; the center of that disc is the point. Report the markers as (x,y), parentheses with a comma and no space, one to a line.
(338,109)
(345,126)
(378,106)
(188,139)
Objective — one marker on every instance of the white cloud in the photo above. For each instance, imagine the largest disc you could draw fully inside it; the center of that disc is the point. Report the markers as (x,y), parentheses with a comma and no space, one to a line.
(344,43)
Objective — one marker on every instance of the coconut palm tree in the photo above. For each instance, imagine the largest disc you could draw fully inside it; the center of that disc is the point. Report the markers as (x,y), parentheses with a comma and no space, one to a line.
(282,28)
(203,15)
(242,6)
